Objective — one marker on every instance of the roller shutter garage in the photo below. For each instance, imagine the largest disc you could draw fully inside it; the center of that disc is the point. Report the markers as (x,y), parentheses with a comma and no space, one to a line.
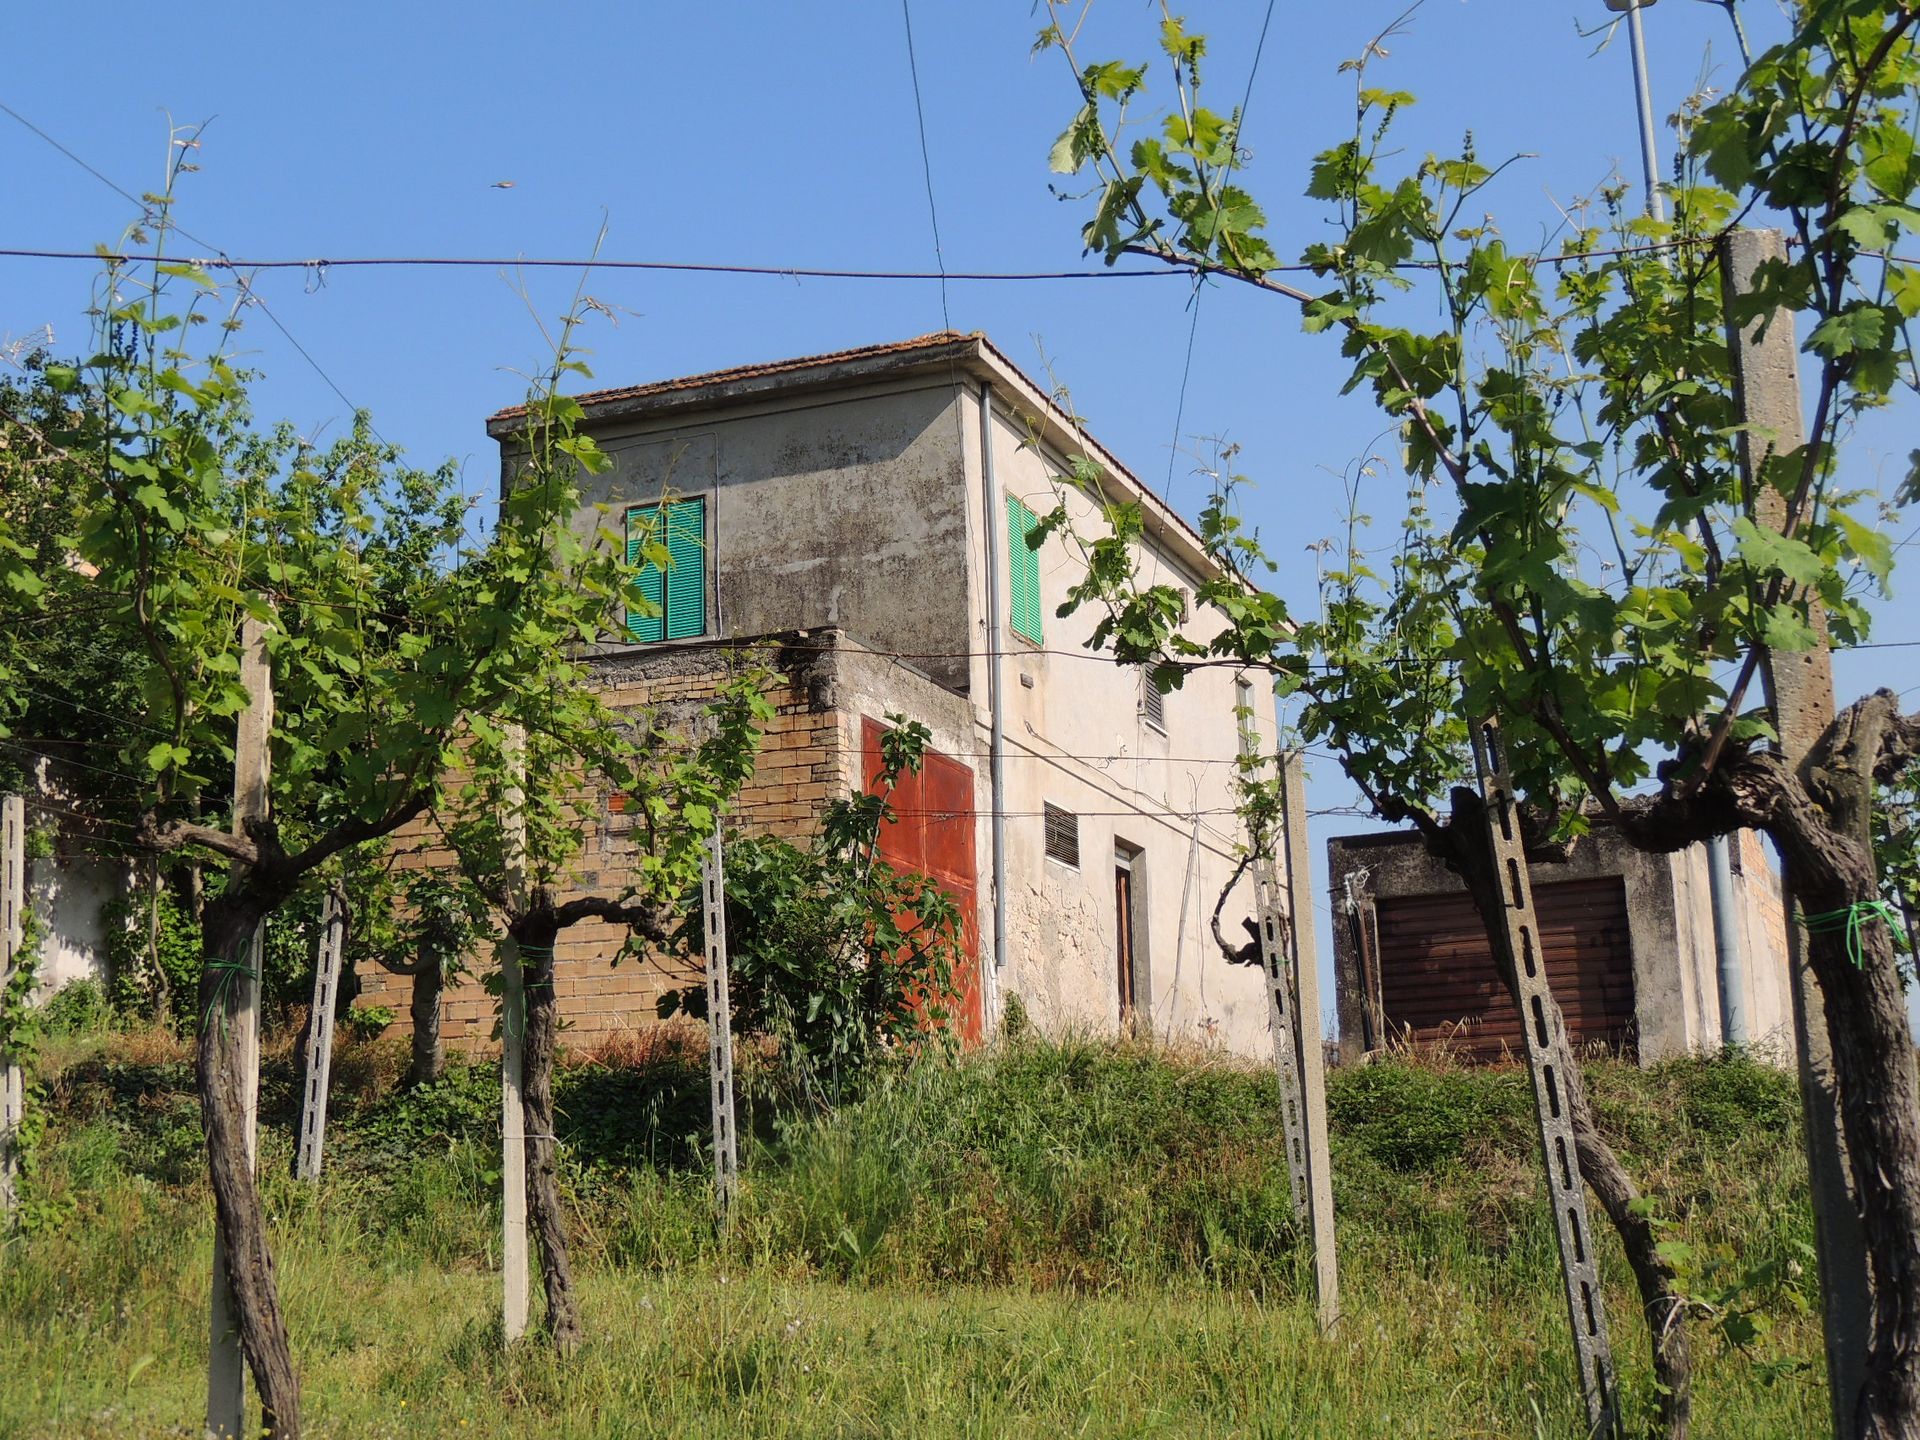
(1439,986)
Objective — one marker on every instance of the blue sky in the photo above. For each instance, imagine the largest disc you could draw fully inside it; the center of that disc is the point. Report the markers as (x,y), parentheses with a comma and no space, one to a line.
(785,134)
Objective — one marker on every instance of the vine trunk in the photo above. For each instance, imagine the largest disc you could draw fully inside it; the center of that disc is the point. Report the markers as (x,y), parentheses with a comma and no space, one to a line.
(220,1076)
(544,1211)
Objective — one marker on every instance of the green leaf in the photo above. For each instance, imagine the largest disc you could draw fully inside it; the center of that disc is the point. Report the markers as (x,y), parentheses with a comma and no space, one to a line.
(156,499)
(1872,548)
(1786,630)
(1858,328)
(1766,550)
(1070,151)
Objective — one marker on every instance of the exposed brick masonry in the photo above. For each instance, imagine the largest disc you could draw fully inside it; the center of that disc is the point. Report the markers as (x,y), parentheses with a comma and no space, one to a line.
(807,757)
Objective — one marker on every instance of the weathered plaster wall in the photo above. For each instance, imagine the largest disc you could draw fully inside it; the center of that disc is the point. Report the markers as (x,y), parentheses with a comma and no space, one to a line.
(1760,909)
(820,511)
(1077,738)
(68,894)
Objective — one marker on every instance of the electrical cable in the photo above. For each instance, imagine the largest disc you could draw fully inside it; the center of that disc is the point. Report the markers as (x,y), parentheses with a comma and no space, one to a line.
(56,699)
(16,746)
(226,261)
(322,264)
(926,164)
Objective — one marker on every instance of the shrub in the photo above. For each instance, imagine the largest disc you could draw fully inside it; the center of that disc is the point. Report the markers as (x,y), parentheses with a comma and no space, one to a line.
(1410,1117)
(833,952)
(77,1008)
(367,1022)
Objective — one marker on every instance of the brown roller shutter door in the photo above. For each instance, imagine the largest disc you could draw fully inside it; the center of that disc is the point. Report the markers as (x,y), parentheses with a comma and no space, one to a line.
(1438,983)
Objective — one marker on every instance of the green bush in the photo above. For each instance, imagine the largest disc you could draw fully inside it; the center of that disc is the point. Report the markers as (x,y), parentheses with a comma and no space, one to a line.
(367,1022)
(1730,1096)
(833,952)
(79,1007)
(1413,1118)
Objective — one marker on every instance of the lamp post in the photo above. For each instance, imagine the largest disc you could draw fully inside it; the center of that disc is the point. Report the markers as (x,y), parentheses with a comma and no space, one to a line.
(1649,162)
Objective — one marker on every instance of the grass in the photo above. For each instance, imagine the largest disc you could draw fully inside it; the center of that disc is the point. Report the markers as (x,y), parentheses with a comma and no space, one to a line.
(1047,1239)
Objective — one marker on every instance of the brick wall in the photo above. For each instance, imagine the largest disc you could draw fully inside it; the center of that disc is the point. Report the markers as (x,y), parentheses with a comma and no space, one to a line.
(807,757)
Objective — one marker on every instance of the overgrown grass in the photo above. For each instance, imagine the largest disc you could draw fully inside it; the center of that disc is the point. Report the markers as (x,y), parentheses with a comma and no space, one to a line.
(1070,1237)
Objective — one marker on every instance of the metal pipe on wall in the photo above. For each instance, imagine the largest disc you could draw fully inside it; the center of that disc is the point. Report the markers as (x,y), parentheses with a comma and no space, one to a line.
(997,734)
(1726,945)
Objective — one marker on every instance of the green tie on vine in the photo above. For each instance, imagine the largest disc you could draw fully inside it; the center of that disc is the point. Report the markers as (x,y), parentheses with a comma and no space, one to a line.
(228,969)
(1852,918)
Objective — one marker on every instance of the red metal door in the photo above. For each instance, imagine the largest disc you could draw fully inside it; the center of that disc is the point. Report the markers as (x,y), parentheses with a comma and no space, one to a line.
(934,836)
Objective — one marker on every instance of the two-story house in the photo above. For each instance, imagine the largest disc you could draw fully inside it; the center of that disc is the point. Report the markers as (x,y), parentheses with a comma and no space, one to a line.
(862,518)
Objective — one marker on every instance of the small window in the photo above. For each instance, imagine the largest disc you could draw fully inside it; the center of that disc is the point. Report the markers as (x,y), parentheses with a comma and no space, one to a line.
(1023,571)
(1063,836)
(675,599)
(1153,704)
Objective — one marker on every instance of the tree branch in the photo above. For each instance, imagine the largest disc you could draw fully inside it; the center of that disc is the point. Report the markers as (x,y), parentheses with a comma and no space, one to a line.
(645,918)
(178,834)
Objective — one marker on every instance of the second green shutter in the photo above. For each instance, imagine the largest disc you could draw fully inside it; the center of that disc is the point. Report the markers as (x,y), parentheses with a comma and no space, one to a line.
(687,583)
(1023,571)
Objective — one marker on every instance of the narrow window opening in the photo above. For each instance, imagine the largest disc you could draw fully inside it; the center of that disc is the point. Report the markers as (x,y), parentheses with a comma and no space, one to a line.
(1063,836)
(1153,704)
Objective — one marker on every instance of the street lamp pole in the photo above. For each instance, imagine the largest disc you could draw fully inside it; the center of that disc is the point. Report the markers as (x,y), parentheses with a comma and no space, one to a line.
(1649,161)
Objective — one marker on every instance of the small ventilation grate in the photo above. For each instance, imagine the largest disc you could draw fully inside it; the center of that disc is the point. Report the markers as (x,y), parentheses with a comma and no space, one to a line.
(1153,704)
(1063,836)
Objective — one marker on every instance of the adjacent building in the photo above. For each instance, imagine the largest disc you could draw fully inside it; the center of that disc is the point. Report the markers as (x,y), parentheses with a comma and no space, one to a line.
(1632,951)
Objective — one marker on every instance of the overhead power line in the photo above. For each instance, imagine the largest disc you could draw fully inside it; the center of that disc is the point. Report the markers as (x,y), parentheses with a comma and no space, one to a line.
(526,262)
(224,262)
(1162,270)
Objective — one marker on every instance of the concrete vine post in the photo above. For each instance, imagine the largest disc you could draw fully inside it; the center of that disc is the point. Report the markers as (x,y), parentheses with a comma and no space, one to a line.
(726,1157)
(513,1120)
(1800,693)
(1281,1012)
(13,902)
(1551,1064)
(1313,1060)
(326,981)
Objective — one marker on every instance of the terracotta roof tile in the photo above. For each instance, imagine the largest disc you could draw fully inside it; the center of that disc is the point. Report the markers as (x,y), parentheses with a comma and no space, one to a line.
(751,372)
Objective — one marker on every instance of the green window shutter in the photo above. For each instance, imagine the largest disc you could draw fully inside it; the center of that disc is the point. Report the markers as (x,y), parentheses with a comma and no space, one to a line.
(687,583)
(649,584)
(1023,571)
